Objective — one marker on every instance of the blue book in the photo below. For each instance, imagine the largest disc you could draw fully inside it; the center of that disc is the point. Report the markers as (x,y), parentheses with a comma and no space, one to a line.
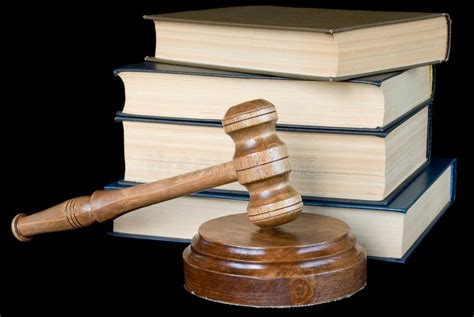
(371,105)
(388,232)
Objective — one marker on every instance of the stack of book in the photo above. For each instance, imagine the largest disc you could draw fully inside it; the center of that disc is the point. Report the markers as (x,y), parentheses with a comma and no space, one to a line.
(353,90)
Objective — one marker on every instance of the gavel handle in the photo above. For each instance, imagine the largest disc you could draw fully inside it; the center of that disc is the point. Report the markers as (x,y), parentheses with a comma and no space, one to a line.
(105,205)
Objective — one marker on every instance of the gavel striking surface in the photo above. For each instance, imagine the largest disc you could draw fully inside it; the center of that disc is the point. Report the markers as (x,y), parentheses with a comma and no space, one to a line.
(312,260)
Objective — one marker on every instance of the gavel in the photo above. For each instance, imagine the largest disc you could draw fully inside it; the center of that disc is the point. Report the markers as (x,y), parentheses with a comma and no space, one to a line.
(260,163)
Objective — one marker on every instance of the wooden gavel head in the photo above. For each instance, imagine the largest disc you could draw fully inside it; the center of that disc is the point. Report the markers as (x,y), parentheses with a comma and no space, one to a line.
(261,163)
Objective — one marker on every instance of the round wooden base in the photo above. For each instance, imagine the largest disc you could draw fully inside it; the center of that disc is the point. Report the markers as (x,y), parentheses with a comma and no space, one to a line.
(312,260)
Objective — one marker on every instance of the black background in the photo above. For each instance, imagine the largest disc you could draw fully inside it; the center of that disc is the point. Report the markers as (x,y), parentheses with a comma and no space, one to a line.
(60,140)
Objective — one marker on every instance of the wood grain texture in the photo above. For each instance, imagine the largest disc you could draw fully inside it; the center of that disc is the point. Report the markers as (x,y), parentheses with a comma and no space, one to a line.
(260,163)
(312,260)
(104,205)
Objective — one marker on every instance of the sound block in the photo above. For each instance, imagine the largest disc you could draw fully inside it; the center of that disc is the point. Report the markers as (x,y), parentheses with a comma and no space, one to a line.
(312,260)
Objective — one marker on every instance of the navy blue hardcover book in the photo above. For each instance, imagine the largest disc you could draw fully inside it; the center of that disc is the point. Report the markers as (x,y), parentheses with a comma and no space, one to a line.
(342,107)
(372,168)
(389,232)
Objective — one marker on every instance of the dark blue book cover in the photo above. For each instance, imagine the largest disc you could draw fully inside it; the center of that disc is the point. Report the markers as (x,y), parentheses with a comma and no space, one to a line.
(374,80)
(399,204)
